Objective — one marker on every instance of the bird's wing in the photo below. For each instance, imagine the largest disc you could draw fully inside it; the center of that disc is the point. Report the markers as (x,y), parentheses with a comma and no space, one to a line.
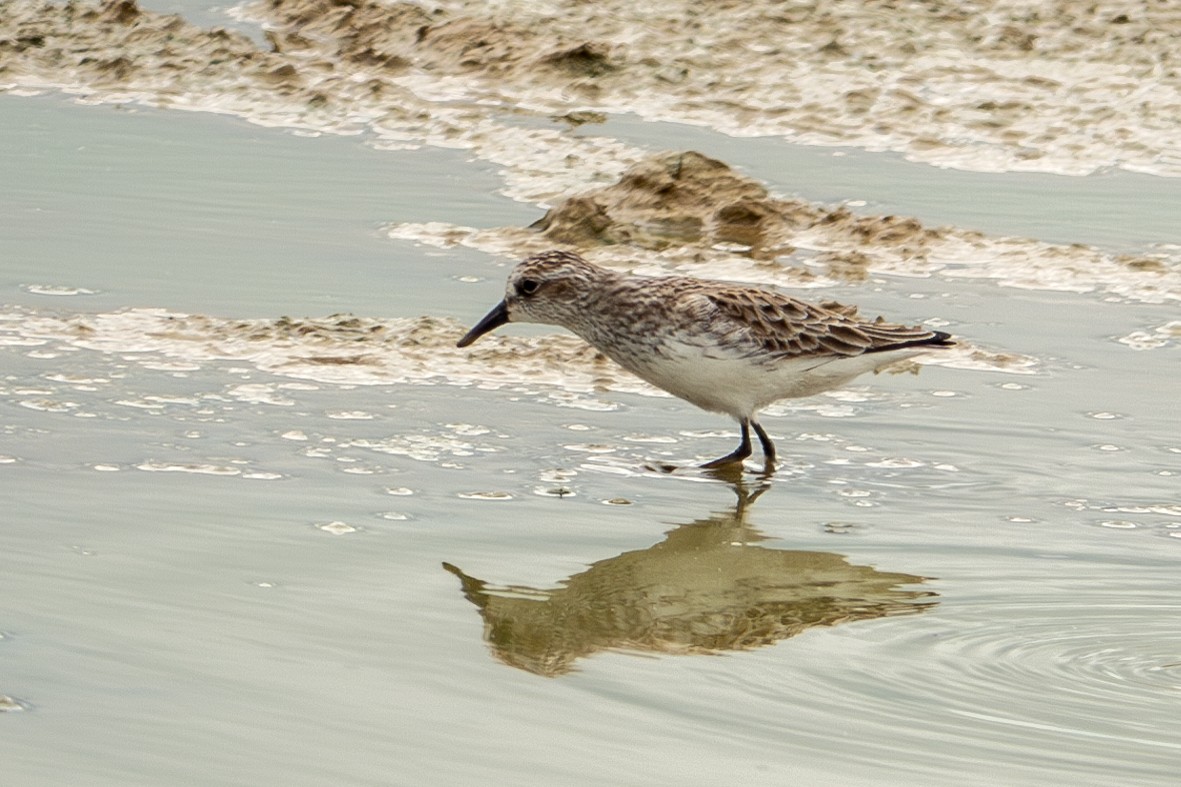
(772,324)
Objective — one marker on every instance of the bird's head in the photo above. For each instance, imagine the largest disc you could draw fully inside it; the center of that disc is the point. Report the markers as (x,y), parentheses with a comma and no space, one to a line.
(546,288)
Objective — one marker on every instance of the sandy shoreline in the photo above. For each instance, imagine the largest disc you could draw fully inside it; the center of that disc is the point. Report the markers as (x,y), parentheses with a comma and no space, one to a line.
(989,86)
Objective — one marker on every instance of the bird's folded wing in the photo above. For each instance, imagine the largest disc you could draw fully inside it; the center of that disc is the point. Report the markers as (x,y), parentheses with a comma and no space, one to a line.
(762,322)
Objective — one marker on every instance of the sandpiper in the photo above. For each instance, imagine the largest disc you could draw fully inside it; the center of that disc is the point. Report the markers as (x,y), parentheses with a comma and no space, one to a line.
(724,347)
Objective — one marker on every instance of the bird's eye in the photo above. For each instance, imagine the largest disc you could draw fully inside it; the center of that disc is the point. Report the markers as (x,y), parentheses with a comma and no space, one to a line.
(528,286)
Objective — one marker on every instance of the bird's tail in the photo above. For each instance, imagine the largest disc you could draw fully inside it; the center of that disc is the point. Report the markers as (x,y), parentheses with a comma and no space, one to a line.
(928,339)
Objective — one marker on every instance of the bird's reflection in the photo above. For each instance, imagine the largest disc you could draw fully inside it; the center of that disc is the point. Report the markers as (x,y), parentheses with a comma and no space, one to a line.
(708,587)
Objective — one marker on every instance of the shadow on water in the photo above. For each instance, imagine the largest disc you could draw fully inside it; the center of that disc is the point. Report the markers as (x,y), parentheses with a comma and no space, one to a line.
(707,588)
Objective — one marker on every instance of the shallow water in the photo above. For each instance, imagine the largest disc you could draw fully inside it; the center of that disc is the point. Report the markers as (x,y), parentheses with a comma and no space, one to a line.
(240,573)
(211,214)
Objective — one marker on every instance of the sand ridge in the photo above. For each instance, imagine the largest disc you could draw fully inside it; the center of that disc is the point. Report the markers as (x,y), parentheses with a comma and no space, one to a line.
(990,85)
(350,350)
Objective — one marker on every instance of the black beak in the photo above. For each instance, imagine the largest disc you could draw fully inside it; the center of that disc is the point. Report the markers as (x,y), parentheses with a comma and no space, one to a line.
(492,320)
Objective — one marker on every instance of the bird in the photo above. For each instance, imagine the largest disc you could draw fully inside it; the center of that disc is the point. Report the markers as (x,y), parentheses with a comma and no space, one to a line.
(724,347)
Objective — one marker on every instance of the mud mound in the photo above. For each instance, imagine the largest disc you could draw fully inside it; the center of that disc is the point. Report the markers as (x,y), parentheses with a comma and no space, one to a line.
(695,215)
(396,36)
(687,199)
(118,46)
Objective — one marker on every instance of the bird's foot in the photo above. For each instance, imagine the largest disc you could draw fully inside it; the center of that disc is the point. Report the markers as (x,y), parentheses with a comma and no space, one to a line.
(734,458)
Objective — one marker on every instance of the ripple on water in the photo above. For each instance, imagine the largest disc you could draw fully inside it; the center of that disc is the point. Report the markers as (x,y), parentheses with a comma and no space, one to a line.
(486,495)
(422,447)
(186,467)
(1155,517)
(1078,679)
(337,528)
(56,289)
(553,491)
(1155,338)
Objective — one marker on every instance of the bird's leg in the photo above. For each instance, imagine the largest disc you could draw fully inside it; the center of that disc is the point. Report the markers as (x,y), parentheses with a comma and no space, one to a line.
(739,453)
(768,446)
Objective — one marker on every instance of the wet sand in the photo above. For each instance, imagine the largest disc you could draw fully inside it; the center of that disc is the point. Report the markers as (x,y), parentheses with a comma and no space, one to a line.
(994,86)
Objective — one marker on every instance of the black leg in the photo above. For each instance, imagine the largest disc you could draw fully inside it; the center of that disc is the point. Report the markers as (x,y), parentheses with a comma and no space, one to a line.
(765,441)
(739,453)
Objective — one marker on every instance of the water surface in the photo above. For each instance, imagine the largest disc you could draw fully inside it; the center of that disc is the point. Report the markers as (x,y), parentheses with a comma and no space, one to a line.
(214,569)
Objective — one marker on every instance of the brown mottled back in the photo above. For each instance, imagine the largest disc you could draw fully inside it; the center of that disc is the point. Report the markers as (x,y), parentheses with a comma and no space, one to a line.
(780,325)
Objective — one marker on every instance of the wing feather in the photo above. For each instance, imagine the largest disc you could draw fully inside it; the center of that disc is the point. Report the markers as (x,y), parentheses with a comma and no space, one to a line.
(766,323)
